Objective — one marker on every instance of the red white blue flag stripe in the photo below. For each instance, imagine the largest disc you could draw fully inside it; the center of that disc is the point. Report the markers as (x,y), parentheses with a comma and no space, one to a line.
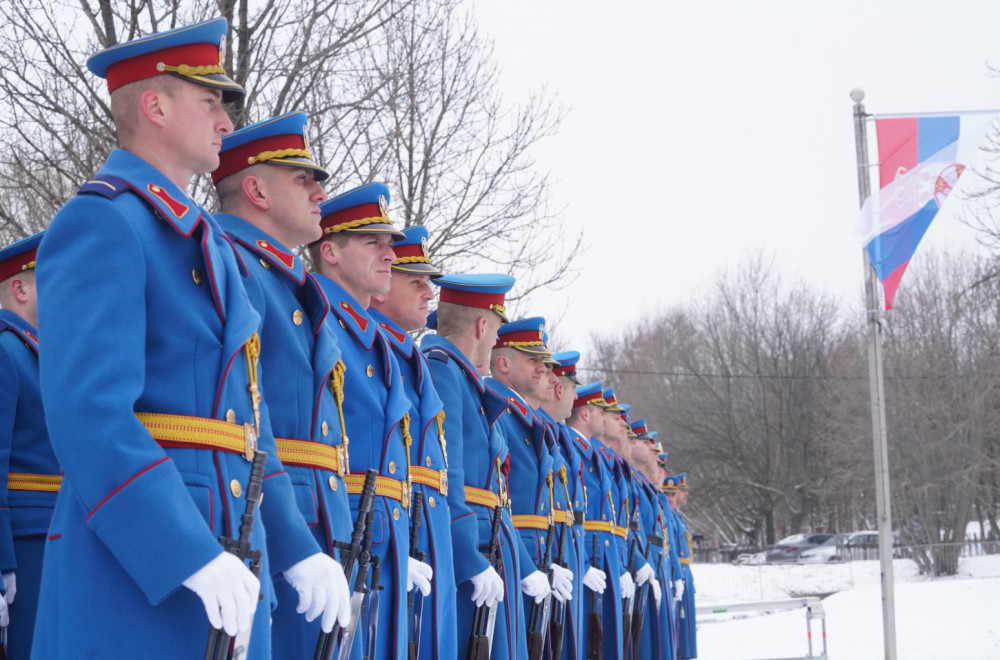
(920,160)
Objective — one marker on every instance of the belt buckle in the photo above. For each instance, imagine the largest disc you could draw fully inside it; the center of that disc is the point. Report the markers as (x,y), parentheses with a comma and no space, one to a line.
(444,482)
(405,498)
(249,441)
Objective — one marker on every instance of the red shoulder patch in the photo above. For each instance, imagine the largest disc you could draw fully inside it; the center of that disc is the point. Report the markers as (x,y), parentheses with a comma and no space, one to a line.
(360,320)
(285,259)
(398,336)
(177,208)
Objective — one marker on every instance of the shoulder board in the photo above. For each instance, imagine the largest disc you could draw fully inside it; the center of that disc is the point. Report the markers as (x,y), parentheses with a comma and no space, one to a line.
(105,186)
(438,354)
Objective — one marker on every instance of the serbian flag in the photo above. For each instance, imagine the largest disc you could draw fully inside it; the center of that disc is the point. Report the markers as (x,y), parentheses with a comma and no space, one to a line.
(920,160)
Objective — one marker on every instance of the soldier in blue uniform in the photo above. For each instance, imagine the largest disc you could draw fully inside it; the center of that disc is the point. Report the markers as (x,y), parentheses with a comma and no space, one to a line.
(675,576)
(677,492)
(269,189)
(470,312)
(602,533)
(29,472)
(655,640)
(555,410)
(150,382)
(353,262)
(401,310)
(520,375)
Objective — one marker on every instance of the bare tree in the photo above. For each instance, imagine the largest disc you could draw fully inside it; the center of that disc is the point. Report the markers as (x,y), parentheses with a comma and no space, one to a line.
(396,90)
(736,385)
(942,384)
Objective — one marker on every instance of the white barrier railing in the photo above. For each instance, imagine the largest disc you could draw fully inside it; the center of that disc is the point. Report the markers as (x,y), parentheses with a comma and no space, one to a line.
(812,605)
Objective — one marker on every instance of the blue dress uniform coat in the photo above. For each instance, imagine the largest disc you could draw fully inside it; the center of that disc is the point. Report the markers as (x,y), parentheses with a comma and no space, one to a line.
(568,482)
(429,471)
(656,638)
(376,417)
(602,498)
(477,457)
(687,627)
(163,329)
(675,571)
(29,476)
(531,475)
(299,366)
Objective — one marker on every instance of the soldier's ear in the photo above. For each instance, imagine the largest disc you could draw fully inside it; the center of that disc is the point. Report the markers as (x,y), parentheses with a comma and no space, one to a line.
(255,193)
(152,105)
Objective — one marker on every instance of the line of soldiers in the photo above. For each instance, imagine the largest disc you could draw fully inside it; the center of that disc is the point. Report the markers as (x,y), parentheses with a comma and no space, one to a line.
(192,363)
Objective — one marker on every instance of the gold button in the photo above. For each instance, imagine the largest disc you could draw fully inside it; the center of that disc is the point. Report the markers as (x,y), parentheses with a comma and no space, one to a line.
(607,543)
(431,502)
(265,264)
(370,371)
(392,467)
(297,317)
(527,442)
(428,461)
(576,503)
(235,488)
(342,325)
(542,541)
(333,482)
(196,275)
(154,188)
(543,506)
(325,428)
(604,517)
(231,416)
(591,469)
(395,513)
(481,411)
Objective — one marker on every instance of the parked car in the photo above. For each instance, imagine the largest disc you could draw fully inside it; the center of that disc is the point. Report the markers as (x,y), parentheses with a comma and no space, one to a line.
(852,545)
(788,548)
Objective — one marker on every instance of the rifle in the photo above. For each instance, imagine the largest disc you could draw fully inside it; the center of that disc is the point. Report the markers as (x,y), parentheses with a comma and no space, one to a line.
(640,606)
(557,625)
(481,638)
(628,603)
(218,641)
(595,632)
(350,554)
(538,621)
(414,607)
(372,609)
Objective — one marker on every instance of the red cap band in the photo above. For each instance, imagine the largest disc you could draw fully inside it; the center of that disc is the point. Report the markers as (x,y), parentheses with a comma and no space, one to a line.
(145,66)
(235,159)
(16,265)
(472,298)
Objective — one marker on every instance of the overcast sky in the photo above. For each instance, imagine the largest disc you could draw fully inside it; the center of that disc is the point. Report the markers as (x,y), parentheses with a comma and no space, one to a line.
(699,133)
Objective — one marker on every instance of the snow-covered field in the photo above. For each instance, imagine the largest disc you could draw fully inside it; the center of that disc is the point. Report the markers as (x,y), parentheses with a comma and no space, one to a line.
(940,619)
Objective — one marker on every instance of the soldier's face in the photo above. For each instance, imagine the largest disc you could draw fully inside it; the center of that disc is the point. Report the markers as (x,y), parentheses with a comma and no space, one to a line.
(198,121)
(682,497)
(294,197)
(527,374)
(364,265)
(407,300)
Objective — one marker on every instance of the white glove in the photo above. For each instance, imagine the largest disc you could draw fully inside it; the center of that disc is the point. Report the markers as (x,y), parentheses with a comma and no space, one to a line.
(536,586)
(322,588)
(229,592)
(10,586)
(627,585)
(595,579)
(657,592)
(487,587)
(562,583)
(644,574)
(678,589)
(419,575)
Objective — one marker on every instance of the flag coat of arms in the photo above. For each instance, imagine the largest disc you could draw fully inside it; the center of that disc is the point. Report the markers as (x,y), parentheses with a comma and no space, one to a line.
(921,158)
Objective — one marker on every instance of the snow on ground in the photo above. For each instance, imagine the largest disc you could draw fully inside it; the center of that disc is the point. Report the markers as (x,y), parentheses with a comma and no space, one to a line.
(938,619)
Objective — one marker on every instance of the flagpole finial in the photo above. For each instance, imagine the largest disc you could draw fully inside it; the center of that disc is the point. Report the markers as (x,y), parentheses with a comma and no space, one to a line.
(857,95)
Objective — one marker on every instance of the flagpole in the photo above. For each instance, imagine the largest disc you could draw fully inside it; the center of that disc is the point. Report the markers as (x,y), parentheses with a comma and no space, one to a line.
(877,388)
